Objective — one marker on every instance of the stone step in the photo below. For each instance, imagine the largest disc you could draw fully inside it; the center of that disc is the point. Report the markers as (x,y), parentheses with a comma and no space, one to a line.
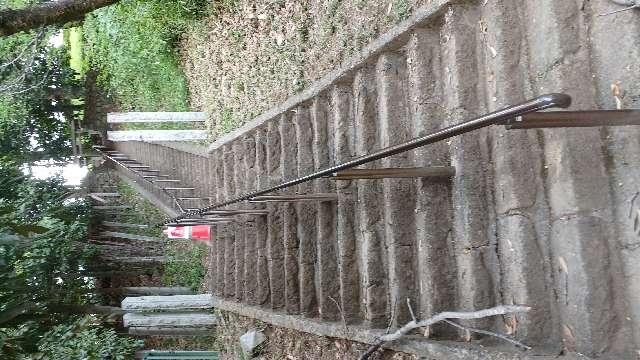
(306,214)
(327,288)
(343,133)
(370,231)
(524,219)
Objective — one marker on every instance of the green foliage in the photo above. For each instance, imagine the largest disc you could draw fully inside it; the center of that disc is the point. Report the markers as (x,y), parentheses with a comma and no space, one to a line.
(16,4)
(185,266)
(37,87)
(14,130)
(132,45)
(82,339)
(73,42)
(402,9)
(227,121)
(39,256)
(141,212)
(32,216)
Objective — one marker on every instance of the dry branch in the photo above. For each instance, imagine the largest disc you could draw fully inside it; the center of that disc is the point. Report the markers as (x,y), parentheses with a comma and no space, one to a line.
(489,333)
(498,310)
(344,321)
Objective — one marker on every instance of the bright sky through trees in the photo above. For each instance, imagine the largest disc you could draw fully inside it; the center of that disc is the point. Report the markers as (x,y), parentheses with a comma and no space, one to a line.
(72,173)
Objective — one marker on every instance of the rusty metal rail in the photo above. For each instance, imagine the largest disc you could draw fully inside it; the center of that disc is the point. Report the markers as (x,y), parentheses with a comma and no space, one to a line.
(555,119)
(499,117)
(434,172)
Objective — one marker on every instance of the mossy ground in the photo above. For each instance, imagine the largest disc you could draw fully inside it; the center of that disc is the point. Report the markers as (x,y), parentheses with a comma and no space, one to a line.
(256,53)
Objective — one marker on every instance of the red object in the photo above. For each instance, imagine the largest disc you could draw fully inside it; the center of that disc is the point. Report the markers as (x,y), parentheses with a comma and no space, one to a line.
(201,232)
(198,232)
(177,232)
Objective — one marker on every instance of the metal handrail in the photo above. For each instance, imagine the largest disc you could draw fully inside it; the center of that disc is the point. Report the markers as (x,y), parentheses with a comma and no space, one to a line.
(499,117)
(111,158)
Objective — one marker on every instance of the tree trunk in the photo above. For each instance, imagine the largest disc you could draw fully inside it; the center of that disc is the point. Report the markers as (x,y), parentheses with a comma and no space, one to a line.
(52,12)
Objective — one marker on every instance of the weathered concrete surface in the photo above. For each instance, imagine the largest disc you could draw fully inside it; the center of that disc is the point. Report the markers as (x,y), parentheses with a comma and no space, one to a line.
(428,349)
(170,331)
(156,135)
(173,302)
(537,217)
(151,117)
(185,320)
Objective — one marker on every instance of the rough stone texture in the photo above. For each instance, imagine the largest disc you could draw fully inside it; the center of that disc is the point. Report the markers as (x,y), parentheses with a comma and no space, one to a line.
(433,213)
(262,266)
(220,241)
(250,340)
(306,214)
(241,228)
(275,245)
(470,233)
(250,234)
(622,145)
(289,170)
(398,194)
(327,287)
(343,132)
(370,232)
(428,349)
(229,232)
(520,203)
(580,210)
(540,217)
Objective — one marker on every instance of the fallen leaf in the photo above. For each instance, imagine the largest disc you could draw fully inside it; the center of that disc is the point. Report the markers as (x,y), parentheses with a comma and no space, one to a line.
(338,345)
(279,38)
(568,338)
(427,331)
(511,325)
(483,27)
(493,51)
(467,335)
(563,265)
(616,90)
(491,77)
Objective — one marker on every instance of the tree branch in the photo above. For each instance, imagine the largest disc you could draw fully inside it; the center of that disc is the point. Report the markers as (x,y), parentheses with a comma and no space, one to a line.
(36,39)
(49,13)
(44,78)
(490,333)
(498,310)
(8,315)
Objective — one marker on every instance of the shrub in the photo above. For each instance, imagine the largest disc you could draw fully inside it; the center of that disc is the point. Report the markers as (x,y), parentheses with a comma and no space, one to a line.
(83,339)
(132,44)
